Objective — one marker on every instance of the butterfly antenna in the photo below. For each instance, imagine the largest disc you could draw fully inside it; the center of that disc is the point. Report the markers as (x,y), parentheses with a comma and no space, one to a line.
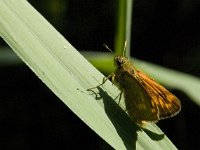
(125,46)
(107,47)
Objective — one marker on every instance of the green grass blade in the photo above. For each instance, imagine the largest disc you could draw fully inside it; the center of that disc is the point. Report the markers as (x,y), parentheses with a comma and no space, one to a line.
(123,28)
(68,74)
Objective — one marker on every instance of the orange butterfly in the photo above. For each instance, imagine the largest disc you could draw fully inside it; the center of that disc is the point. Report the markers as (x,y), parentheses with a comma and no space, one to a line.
(145,99)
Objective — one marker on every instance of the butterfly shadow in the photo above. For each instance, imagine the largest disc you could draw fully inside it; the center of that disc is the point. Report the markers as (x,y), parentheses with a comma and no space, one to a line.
(126,129)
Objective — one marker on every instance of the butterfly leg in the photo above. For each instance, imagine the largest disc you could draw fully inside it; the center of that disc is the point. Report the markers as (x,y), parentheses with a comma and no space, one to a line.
(111,76)
(120,97)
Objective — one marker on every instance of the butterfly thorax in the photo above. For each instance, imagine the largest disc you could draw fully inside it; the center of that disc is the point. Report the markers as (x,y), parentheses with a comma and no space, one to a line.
(123,66)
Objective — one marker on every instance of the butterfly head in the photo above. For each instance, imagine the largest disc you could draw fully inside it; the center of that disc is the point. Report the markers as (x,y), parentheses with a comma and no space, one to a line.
(120,61)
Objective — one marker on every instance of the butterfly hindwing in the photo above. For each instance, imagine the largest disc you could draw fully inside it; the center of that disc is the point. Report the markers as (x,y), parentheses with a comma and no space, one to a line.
(168,104)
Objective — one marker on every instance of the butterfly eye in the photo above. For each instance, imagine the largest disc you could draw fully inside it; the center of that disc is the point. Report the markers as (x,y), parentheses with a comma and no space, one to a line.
(119,61)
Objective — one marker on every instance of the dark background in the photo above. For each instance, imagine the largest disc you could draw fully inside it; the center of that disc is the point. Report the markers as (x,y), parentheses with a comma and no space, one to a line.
(163,32)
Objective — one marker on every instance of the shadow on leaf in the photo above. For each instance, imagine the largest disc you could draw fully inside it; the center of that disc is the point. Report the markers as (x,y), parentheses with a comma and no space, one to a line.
(125,127)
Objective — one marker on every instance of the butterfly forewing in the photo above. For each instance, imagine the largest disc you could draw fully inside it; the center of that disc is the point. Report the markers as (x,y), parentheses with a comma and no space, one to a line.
(138,102)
